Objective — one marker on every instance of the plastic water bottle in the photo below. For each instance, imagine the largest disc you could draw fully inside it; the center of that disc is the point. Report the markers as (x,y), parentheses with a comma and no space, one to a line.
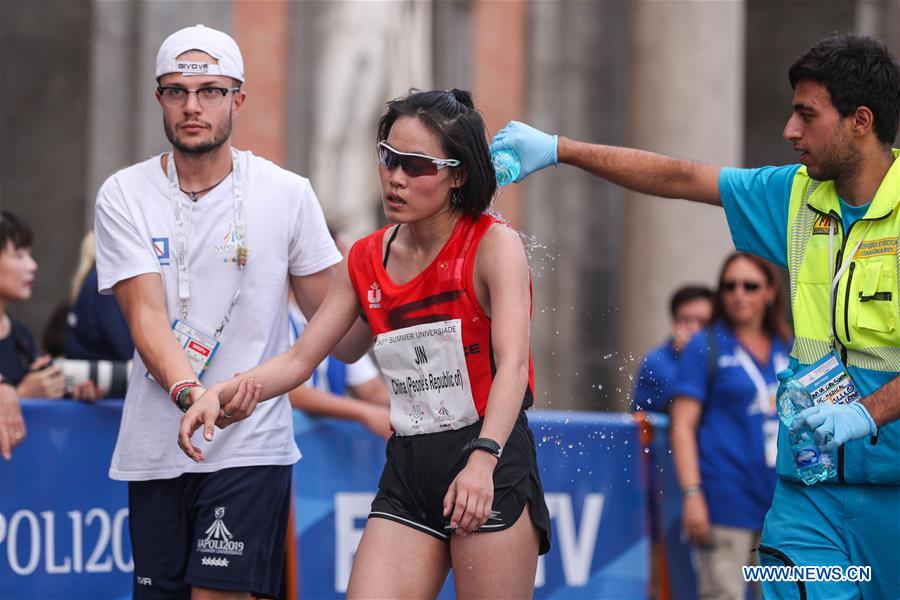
(506,165)
(812,462)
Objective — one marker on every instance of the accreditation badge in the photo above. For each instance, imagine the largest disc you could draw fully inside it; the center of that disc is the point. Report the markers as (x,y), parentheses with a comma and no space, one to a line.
(200,347)
(828,381)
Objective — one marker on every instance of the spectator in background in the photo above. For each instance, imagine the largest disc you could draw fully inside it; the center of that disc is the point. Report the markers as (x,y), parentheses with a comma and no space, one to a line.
(87,326)
(96,327)
(691,309)
(354,391)
(724,422)
(20,366)
(336,388)
(12,425)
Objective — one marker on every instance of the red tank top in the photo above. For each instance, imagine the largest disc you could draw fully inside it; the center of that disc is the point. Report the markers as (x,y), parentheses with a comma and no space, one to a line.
(444,291)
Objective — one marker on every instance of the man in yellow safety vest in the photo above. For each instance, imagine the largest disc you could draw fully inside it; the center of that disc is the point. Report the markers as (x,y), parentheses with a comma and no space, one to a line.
(834,222)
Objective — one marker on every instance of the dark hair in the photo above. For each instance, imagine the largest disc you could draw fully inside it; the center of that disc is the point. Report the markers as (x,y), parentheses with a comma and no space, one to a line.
(857,70)
(688,293)
(774,321)
(452,117)
(13,229)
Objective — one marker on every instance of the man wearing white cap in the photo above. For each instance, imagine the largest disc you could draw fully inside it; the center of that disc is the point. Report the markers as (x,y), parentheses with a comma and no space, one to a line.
(201,247)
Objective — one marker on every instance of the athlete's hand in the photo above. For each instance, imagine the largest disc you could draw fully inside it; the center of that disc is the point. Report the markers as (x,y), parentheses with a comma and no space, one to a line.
(534,148)
(241,405)
(695,519)
(469,500)
(836,424)
(204,411)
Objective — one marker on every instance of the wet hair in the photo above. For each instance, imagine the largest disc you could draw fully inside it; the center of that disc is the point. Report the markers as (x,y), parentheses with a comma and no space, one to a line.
(774,321)
(13,229)
(857,70)
(689,293)
(461,132)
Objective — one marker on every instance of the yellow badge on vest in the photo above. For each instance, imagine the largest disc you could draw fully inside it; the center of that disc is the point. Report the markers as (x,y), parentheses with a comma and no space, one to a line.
(822,225)
(880,247)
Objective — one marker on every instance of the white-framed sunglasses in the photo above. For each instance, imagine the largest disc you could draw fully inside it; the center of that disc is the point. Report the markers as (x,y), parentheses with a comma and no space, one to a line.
(413,164)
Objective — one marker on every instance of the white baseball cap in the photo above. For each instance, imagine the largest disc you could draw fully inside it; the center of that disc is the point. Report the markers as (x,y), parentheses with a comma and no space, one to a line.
(219,45)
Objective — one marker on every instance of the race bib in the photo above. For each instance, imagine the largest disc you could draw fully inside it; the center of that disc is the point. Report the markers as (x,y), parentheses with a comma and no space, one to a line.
(424,367)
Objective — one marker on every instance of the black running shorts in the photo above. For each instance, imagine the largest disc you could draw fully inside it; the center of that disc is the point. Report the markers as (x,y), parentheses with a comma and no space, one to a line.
(420,469)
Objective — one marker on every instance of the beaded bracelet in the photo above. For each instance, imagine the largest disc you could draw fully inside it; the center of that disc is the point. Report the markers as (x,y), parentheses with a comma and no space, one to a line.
(180,391)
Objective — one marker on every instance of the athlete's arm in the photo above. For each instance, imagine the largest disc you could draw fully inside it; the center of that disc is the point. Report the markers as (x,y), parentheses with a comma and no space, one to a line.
(310,291)
(282,373)
(501,269)
(143,303)
(685,414)
(644,172)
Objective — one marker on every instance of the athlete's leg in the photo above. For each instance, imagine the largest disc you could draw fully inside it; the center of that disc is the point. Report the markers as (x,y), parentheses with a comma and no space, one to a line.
(496,564)
(397,561)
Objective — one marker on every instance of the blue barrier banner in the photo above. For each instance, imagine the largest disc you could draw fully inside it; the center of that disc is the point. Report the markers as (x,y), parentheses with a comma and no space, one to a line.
(667,492)
(64,524)
(591,472)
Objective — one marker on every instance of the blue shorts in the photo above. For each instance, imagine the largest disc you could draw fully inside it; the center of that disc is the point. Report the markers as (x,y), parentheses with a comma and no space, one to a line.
(224,530)
(833,525)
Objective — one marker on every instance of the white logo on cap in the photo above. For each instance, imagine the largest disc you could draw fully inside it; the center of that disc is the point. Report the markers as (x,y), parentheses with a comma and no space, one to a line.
(192,68)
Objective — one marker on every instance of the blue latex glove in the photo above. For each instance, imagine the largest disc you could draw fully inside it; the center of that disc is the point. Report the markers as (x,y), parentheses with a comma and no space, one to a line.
(534,148)
(836,424)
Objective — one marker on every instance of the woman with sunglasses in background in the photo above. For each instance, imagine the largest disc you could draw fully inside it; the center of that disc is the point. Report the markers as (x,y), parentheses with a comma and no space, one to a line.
(725,425)
(446,292)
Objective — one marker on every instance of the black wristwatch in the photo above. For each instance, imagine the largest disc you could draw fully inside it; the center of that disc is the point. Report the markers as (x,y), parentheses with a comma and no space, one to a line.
(486,444)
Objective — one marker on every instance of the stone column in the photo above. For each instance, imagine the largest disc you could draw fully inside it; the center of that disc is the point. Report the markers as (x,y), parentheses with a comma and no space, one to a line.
(578,64)
(687,100)
(498,60)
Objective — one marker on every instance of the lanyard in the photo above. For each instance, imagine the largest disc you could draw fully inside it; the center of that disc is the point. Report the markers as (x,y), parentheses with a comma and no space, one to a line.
(756,377)
(182,251)
(836,277)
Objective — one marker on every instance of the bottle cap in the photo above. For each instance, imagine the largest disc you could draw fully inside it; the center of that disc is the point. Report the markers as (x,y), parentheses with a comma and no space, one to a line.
(785,375)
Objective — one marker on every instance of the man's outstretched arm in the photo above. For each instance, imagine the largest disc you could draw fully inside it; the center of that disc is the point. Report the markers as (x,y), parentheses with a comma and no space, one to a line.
(637,170)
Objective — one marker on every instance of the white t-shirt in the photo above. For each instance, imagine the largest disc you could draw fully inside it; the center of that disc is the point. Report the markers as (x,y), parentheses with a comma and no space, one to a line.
(286,235)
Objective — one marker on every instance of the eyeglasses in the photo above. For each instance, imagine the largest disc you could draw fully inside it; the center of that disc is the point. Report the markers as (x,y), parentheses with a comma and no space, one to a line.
(414,165)
(208,97)
(749,286)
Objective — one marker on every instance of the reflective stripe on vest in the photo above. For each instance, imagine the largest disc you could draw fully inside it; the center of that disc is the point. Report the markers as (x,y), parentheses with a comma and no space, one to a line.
(871,338)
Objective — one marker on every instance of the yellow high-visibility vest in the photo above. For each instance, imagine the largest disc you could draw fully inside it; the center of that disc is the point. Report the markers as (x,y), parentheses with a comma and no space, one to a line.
(862,311)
